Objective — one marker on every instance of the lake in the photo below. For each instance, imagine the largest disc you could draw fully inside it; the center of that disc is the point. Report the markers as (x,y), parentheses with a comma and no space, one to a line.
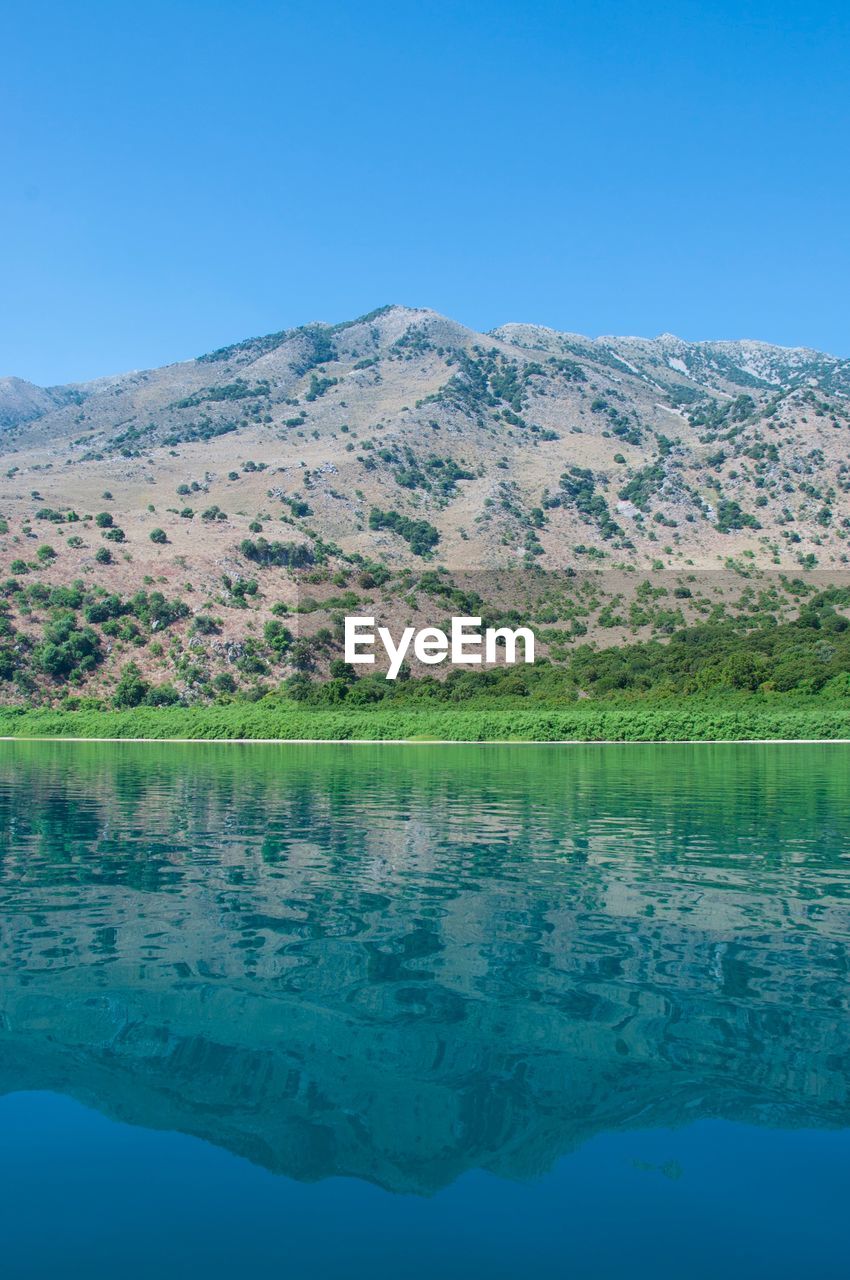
(424,1011)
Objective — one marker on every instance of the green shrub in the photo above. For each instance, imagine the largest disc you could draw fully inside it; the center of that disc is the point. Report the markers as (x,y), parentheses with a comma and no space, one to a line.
(67,651)
(277,637)
(204,625)
(291,555)
(162,695)
(132,688)
(421,536)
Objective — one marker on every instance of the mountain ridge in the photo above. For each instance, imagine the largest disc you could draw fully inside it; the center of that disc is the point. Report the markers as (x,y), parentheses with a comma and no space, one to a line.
(507,331)
(403,441)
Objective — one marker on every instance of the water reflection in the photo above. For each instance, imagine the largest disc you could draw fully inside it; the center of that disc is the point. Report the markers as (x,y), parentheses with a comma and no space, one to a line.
(402,964)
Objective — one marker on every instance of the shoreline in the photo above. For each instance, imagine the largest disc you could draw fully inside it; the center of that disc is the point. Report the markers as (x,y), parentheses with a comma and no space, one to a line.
(445,742)
(438,741)
(475,722)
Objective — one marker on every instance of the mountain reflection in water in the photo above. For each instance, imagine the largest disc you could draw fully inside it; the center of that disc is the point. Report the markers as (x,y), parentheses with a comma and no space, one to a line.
(402,964)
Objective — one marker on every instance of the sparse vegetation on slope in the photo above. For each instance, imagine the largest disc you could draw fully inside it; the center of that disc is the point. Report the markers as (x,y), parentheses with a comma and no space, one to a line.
(315,470)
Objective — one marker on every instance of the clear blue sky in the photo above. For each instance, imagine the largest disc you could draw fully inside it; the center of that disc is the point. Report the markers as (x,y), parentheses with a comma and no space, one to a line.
(175,176)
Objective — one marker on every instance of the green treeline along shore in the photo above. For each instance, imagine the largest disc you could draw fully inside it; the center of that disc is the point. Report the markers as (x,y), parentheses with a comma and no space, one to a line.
(674,719)
(748,679)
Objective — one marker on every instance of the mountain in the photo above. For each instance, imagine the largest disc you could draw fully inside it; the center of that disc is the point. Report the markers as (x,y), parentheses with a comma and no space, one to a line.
(22,402)
(406,440)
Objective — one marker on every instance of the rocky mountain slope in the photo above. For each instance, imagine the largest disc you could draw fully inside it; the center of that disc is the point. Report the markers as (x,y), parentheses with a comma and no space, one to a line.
(404,440)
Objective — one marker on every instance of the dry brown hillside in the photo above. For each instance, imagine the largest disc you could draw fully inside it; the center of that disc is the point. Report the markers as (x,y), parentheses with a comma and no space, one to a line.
(403,439)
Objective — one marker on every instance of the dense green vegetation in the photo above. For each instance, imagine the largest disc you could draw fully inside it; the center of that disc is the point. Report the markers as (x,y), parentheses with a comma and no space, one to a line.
(752,654)
(238,390)
(673,719)
(808,655)
(81,621)
(292,555)
(738,679)
(421,536)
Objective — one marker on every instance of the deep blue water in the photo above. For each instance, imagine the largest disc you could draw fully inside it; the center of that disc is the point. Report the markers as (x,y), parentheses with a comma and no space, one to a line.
(374,1012)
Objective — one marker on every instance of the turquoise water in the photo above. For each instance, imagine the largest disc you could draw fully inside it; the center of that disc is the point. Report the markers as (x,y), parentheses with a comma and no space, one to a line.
(374,1011)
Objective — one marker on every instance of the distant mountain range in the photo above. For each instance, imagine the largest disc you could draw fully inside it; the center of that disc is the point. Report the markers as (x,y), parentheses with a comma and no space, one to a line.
(704,445)
(404,438)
